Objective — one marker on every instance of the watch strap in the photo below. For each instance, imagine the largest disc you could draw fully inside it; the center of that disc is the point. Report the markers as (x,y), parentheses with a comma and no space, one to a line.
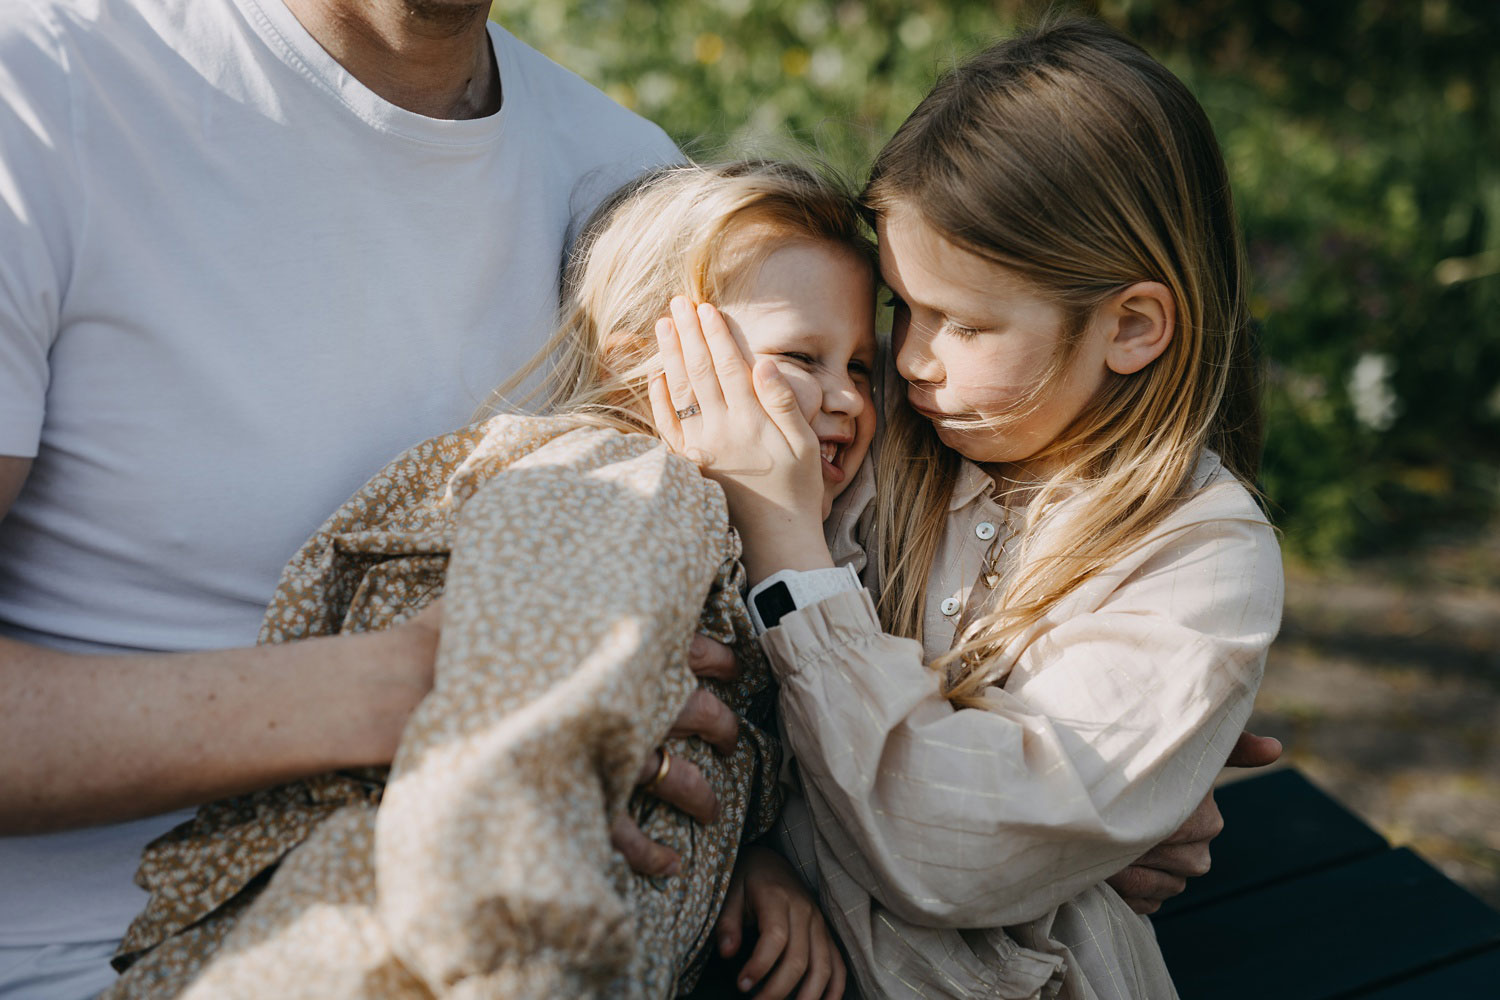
(788,590)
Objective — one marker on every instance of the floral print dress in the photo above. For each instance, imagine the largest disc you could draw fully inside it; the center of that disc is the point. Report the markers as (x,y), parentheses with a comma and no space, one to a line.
(576,562)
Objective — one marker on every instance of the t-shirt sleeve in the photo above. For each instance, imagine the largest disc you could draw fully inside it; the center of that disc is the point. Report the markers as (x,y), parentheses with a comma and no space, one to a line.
(631,147)
(41,208)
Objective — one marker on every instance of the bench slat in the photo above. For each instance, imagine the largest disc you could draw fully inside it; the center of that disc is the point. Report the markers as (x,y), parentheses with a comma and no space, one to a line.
(1327,934)
(1473,978)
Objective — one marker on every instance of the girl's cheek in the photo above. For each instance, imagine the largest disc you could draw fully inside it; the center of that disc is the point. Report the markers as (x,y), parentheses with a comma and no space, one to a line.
(804,386)
(987,398)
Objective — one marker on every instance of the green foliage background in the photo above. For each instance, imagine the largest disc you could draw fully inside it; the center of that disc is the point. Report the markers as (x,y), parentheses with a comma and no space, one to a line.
(1363,139)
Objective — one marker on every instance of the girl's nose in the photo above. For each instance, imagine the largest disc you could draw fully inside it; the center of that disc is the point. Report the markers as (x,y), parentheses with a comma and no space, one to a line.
(843,396)
(914,362)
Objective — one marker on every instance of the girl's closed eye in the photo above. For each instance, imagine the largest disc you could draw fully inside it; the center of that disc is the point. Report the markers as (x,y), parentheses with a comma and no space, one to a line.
(960,330)
(857,368)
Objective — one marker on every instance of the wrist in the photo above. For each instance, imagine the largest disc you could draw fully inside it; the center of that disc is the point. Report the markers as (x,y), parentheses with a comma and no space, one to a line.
(801,551)
(395,673)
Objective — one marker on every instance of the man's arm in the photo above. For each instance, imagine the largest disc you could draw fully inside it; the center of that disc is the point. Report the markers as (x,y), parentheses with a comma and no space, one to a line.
(97,739)
(13,472)
(94,739)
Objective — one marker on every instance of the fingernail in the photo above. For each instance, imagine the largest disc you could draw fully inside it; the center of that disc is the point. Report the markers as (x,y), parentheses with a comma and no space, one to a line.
(672,868)
(745,984)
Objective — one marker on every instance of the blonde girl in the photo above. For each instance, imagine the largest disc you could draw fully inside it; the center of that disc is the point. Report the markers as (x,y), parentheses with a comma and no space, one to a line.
(574,557)
(1069,587)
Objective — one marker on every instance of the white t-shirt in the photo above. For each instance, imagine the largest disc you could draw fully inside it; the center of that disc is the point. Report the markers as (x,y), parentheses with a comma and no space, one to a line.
(233,283)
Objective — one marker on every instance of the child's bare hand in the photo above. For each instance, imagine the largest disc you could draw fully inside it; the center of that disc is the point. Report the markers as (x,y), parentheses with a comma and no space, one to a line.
(794,944)
(741,423)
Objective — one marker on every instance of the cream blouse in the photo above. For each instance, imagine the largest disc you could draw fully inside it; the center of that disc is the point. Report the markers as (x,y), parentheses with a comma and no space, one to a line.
(962,852)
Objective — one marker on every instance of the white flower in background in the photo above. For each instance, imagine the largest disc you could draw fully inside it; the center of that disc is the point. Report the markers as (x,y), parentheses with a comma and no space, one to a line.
(915,31)
(655,89)
(1375,402)
(765,120)
(827,66)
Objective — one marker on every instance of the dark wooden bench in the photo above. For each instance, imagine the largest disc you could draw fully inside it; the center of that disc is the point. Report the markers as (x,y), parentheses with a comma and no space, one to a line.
(1306,902)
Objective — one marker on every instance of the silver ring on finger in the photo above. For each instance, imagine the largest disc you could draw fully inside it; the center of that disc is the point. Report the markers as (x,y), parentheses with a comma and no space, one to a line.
(689,411)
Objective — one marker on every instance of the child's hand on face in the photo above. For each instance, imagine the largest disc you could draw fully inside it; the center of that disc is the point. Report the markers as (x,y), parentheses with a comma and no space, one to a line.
(794,944)
(746,431)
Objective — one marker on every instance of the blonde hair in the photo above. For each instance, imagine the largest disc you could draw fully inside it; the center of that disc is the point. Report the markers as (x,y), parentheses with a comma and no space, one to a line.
(699,231)
(1073,158)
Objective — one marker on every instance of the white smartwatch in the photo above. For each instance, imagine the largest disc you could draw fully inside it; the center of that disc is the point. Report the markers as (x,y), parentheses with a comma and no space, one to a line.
(782,593)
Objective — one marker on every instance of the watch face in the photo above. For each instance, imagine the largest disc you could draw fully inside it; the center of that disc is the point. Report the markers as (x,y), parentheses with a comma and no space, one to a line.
(773,602)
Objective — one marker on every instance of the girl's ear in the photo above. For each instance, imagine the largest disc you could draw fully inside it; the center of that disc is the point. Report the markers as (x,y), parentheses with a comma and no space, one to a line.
(1141,319)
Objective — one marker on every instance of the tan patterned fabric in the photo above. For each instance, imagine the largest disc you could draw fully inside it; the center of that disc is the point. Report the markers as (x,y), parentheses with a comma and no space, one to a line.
(577,563)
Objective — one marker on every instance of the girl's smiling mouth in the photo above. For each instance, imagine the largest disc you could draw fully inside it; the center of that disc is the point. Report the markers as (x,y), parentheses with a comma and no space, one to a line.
(831,449)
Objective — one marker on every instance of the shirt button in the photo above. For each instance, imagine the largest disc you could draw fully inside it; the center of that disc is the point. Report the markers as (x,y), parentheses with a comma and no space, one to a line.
(950,607)
(985,530)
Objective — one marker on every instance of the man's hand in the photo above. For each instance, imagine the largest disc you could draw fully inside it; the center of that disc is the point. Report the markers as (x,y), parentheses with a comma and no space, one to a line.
(711,659)
(683,785)
(1163,871)
(1254,751)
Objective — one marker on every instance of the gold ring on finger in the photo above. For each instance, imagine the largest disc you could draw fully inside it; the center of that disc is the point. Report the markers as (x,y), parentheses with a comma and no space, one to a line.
(661,772)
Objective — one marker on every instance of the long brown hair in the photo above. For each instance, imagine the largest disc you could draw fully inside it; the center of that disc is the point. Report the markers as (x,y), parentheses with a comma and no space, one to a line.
(1070,156)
